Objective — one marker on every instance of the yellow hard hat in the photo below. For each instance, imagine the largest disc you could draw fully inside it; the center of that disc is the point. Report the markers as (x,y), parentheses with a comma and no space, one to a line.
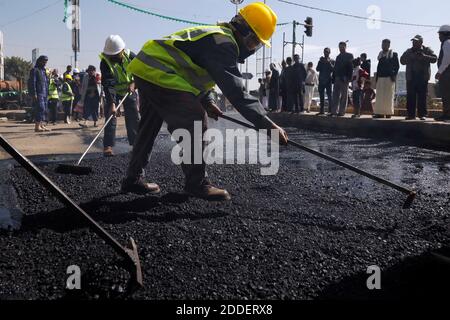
(261,18)
(68,77)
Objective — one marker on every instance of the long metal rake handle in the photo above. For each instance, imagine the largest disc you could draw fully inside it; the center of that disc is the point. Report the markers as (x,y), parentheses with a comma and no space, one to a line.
(126,253)
(101,130)
(411,194)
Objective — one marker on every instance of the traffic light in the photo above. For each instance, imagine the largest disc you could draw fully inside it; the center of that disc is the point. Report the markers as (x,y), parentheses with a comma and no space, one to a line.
(309,26)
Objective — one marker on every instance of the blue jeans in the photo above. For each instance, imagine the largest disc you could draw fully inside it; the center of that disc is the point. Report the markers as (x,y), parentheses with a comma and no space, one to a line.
(131,121)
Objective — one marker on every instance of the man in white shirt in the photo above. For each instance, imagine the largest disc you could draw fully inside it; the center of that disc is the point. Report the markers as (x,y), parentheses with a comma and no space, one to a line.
(311,83)
(443,75)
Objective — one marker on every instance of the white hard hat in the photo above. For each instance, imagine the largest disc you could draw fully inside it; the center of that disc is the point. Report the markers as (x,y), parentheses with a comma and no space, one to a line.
(444,29)
(76,71)
(113,45)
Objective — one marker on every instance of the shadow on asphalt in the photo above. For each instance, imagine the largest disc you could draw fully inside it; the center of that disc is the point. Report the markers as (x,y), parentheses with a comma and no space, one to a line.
(114,212)
(420,277)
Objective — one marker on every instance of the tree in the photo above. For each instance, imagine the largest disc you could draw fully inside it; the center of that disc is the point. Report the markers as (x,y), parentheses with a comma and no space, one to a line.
(18,68)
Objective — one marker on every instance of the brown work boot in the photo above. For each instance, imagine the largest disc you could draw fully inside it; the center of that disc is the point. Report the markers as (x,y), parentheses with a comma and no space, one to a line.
(208,192)
(139,186)
(108,152)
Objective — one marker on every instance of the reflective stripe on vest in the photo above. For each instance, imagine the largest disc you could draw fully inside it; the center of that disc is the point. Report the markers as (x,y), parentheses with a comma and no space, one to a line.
(162,63)
(65,90)
(119,70)
(52,90)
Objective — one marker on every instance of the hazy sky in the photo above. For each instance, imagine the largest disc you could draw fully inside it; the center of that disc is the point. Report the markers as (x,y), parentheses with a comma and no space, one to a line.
(99,18)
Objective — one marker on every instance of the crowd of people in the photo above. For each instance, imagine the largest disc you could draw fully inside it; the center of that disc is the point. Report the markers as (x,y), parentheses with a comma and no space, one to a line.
(348,80)
(340,81)
(70,93)
(88,95)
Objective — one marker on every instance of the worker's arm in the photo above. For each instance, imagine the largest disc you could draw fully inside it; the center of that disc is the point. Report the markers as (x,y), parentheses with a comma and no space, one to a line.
(221,63)
(430,56)
(108,83)
(406,57)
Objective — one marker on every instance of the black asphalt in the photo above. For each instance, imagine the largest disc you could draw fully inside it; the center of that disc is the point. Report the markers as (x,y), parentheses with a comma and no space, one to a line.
(309,232)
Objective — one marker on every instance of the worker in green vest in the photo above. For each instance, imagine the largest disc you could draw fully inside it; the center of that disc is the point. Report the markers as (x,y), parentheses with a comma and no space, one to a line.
(67,97)
(53,95)
(175,76)
(117,81)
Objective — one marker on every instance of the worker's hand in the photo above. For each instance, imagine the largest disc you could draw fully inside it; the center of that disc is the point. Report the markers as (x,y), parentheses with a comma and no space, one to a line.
(438,76)
(212,110)
(282,135)
(113,109)
(132,87)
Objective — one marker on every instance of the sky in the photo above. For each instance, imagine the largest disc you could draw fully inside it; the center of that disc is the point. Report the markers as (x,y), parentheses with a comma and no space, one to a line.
(25,27)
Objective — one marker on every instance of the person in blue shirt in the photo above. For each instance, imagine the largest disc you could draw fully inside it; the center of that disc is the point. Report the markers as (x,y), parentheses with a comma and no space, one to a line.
(38,90)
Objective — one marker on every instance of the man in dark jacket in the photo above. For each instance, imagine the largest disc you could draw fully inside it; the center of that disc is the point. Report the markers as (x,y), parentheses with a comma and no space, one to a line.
(325,67)
(274,88)
(342,75)
(38,83)
(418,72)
(443,74)
(299,77)
(291,89)
(283,86)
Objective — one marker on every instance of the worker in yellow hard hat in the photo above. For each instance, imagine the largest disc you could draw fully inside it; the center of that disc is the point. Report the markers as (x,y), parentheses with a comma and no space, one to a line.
(67,97)
(175,77)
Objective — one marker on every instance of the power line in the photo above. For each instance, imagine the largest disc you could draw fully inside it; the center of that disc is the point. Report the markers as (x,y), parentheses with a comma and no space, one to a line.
(31,14)
(358,17)
(131,7)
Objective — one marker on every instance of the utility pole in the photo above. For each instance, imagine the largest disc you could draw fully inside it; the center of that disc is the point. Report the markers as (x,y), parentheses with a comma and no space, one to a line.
(294,38)
(2,61)
(76,30)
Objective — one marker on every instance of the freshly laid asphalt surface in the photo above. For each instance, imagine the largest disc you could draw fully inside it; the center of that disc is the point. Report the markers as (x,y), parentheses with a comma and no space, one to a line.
(309,232)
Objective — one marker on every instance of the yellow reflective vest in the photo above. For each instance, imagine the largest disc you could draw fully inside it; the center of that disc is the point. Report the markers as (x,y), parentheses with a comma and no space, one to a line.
(162,63)
(67,93)
(123,77)
(52,90)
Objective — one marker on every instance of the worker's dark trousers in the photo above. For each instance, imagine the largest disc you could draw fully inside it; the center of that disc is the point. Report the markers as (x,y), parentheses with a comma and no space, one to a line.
(179,110)
(53,109)
(325,86)
(417,97)
(67,108)
(131,121)
(444,87)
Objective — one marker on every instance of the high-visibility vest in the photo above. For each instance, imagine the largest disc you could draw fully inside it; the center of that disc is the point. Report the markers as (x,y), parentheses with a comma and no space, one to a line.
(123,77)
(52,90)
(163,64)
(66,92)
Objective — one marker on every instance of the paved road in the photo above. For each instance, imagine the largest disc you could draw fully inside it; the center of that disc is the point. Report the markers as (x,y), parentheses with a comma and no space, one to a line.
(310,232)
